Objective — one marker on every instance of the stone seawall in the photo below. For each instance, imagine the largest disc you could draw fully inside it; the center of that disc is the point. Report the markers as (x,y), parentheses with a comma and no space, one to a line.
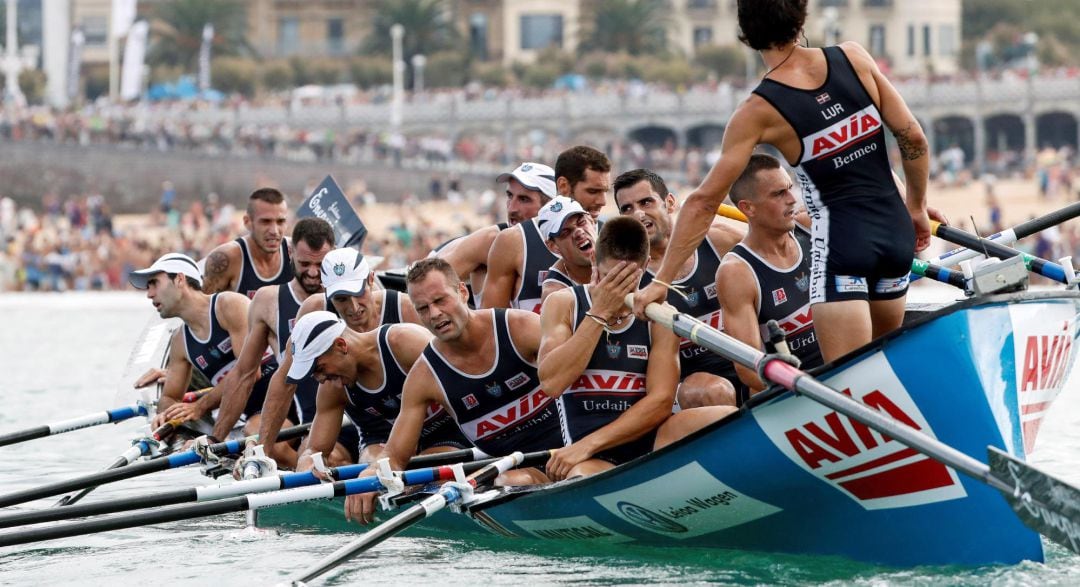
(131,179)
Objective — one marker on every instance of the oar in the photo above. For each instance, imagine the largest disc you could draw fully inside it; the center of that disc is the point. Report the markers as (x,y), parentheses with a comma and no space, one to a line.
(1028,490)
(956,236)
(201,494)
(138,449)
(918,266)
(95,419)
(194,396)
(173,461)
(1010,235)
(228,505)
(448,493)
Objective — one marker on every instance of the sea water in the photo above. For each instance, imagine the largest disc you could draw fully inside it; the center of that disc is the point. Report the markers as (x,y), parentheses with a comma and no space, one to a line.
(62,355)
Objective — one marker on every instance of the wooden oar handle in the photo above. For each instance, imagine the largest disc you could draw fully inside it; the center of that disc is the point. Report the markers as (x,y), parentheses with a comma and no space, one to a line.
(663,314)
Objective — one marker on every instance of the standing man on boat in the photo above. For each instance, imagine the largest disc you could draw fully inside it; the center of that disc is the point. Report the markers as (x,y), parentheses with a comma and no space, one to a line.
(519,259)
(351,294)
(213,326)
(613,374)
(570,234)
(826,111)
(241,264)
(706,378)
(481,368)
(270,317)
(363,374)
(767,275)
(528,187)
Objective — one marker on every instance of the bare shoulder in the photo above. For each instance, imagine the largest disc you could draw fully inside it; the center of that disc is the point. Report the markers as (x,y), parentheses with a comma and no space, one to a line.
(858,55)
(220,266)
(481,239)
(265,301)
(725,234)
(520,320)
(313,303)
(511,237)
(735,281)
(560,301)
(406,333)
(232,305)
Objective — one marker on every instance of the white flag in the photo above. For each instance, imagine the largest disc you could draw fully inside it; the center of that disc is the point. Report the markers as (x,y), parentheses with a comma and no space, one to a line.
(134,59)
(123,15)
(204,56)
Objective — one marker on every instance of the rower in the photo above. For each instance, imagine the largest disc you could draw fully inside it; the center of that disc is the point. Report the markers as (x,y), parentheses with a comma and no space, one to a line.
(519,258)
(481,368)
(570,234)
(595,355)
(706,377)
(528,187)
(350,293)
(767,275)
(271,314)
(362,374)
(213,325)
(241,264)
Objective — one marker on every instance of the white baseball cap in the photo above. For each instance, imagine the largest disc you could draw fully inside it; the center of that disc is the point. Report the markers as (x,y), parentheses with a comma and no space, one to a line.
(555,213)
(344,271)
(167,263)
(312,335)
(534,176)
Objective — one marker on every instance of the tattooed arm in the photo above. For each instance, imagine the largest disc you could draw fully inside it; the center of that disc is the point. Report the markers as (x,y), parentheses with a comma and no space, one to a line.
(222,269)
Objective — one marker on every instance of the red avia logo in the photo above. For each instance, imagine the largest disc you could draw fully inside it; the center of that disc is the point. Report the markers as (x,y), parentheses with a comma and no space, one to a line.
(1046,361)
(597,380)
(871,468)
(506,416)
(797,320)
(843,134)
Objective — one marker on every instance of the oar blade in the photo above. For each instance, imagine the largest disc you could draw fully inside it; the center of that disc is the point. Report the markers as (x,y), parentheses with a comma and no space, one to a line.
(1047,505)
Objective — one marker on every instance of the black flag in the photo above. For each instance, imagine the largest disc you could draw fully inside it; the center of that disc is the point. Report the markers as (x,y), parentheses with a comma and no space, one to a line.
(329,203)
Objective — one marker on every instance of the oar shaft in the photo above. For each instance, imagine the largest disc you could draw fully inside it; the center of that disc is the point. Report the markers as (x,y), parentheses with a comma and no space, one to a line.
(1041,266)
(87,421)
(173,461)
(938,273)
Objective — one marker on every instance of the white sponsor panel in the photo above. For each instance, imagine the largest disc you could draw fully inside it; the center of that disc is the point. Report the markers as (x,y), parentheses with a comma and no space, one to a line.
(1043,336)
(875,471)
(685,503)
(572,528)
(844,133)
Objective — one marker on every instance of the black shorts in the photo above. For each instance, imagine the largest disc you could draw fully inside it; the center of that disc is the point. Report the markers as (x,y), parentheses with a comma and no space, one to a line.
(625,453)
(861,250)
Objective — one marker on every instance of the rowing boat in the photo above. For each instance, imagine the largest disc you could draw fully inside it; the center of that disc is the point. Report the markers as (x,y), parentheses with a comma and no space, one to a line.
(786,474)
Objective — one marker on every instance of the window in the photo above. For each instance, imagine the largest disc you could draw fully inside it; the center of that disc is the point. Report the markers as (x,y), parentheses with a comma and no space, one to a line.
(96,30)
(288,37)
(910,40)
(540,31)
(926,40)
(947,40)
(335,36)
(478,35)
(877,40)
(834,3)
(702,35)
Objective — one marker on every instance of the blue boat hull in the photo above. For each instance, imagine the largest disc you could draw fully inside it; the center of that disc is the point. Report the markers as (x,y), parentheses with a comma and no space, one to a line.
(785,474)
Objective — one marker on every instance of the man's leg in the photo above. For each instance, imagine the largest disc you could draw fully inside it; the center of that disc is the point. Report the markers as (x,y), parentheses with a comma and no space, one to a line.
(705,389)
(842,327)
(887,315)
(687,422)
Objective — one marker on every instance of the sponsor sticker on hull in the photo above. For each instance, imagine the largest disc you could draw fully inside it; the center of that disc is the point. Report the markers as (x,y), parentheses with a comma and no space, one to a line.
(874,470)
(684,503)
(573,528)
(1043,337)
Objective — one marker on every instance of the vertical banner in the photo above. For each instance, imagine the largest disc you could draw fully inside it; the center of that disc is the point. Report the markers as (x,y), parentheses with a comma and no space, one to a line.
(134,60)
(204,56)
(78,39)
(329,203)
(123,16)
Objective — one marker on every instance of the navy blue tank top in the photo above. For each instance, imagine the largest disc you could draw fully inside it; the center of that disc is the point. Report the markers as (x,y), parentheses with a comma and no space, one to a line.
(214,356)
(699,287)
(308,388)
(374,410)
(784,296)
(536,260)
(504,409)
(250,281)
(613,380)
(558,276)
(391,307)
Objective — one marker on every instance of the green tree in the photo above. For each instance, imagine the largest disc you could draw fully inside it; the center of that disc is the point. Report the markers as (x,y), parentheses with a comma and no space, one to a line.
(177,26)
(427,25)
(636,27)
